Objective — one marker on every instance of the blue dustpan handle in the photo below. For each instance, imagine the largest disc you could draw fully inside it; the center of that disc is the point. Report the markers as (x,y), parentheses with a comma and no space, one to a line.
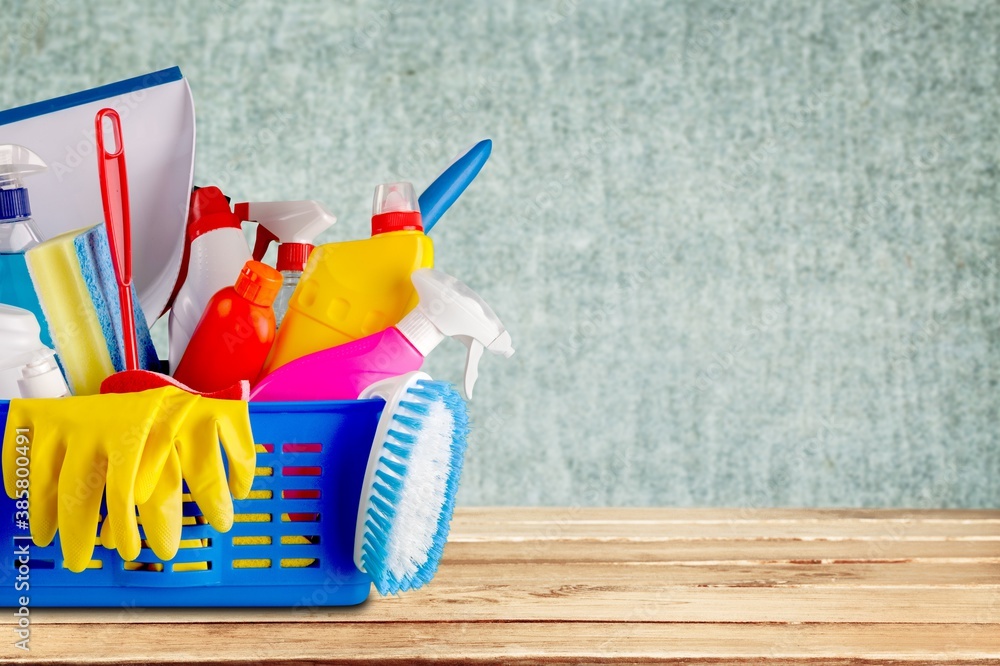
(443,192)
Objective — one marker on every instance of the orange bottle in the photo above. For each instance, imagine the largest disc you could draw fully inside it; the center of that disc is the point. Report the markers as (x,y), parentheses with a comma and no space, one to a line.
(235,334)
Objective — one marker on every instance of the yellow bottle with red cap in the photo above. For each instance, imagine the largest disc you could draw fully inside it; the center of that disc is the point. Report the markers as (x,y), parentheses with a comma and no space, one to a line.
(352,289)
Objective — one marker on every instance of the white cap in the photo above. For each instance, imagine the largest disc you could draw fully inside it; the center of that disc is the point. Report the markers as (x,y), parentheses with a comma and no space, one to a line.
(17,161)
(20,334)
(448,308)
(41,378)
(290,221)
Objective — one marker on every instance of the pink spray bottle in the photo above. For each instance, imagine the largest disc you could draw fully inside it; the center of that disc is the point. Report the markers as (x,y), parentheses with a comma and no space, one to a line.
(447,308)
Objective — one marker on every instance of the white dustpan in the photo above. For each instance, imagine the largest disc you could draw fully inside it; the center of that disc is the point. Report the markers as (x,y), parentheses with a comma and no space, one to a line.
(157,115)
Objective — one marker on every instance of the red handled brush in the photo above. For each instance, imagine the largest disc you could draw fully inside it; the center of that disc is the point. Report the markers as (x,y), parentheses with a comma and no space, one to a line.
(118,222)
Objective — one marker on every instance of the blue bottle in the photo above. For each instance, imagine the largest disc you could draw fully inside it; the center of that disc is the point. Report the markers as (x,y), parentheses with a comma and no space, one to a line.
(18,233)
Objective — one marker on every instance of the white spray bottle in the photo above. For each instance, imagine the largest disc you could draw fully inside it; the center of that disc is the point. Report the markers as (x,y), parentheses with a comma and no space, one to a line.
(295,225)
(447,309)
(217,253)
(18,232)
(27,367)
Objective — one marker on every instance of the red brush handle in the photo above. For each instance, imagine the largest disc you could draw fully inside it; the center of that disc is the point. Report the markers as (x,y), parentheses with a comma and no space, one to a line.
(117,220)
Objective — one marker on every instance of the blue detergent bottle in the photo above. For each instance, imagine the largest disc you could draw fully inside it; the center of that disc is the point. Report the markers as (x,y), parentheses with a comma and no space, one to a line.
(18,233)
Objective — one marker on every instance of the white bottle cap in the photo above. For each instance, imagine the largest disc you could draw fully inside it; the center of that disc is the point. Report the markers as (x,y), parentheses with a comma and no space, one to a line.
(41,378)
(20,334)
(448,308)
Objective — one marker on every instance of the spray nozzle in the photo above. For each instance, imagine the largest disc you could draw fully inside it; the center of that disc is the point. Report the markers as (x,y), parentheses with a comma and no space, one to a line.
(15,162)
(395,208)
(293,224)
(449,308)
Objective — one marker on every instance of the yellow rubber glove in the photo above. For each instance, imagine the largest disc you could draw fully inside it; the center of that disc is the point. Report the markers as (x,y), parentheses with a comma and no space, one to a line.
(202,423)
(80,449)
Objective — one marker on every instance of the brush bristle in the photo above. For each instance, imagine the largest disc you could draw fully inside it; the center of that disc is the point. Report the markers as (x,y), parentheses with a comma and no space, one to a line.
(413,494)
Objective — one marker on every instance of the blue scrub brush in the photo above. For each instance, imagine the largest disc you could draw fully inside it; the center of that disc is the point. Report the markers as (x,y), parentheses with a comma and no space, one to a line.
(408,496)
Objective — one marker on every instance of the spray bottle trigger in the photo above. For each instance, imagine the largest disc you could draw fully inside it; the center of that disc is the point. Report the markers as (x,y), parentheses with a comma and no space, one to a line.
(263,240)
(471,362)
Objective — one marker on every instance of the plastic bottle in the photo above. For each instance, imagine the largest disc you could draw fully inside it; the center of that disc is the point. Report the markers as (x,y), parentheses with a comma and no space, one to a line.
(235,334)
(19,332)
(18,232)
(217,252)
(41,378)
(294,225)
(447,308)
(353,289)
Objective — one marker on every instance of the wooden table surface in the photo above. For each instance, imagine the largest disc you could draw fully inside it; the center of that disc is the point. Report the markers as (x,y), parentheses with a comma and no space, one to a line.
(741,586)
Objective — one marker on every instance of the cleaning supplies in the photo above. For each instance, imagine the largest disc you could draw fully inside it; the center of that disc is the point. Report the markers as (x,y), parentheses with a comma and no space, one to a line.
(18,232)
(295,225)
(355,288)
(411,481)
(111,171)
(235,334)
(216,253)
(70,460)
(195,426)
(158,113)
(118,224)
(42,378)
(447,308)
(77,288)
(448,187)
(170,435)
(19,332)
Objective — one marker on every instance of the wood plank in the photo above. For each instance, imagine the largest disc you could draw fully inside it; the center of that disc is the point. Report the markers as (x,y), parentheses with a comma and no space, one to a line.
(660,530)
(562,580)
(515,551)
(716,515)
(516,642)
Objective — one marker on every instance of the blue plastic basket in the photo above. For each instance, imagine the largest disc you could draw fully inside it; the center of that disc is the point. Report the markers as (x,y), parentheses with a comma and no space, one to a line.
(317,447)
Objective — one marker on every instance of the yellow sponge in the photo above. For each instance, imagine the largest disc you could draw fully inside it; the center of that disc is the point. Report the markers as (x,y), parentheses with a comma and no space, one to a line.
(75,284)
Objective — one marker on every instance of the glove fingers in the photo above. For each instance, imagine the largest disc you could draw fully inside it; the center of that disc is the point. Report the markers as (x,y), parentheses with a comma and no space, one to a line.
(201,460)
(237,439)
(161,515)
(107,534)
(120,495)
(160,443)
(80,491)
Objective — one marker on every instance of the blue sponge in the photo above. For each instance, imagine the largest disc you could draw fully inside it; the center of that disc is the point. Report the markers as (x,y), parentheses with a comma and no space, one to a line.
(75,282)
(94,252)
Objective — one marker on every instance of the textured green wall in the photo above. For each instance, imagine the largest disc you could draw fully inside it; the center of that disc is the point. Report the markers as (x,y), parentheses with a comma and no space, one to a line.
(747,250)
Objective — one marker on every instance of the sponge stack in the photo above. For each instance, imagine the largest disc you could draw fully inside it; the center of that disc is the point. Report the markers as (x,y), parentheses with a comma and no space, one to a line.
(75,283)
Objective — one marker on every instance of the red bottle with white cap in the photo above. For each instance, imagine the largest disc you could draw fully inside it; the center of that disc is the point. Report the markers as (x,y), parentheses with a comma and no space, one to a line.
(217,253)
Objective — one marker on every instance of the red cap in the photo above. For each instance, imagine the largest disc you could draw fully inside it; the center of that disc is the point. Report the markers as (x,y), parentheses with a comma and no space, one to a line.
(258,283)
(209,211)
(400,220)
(293,256)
